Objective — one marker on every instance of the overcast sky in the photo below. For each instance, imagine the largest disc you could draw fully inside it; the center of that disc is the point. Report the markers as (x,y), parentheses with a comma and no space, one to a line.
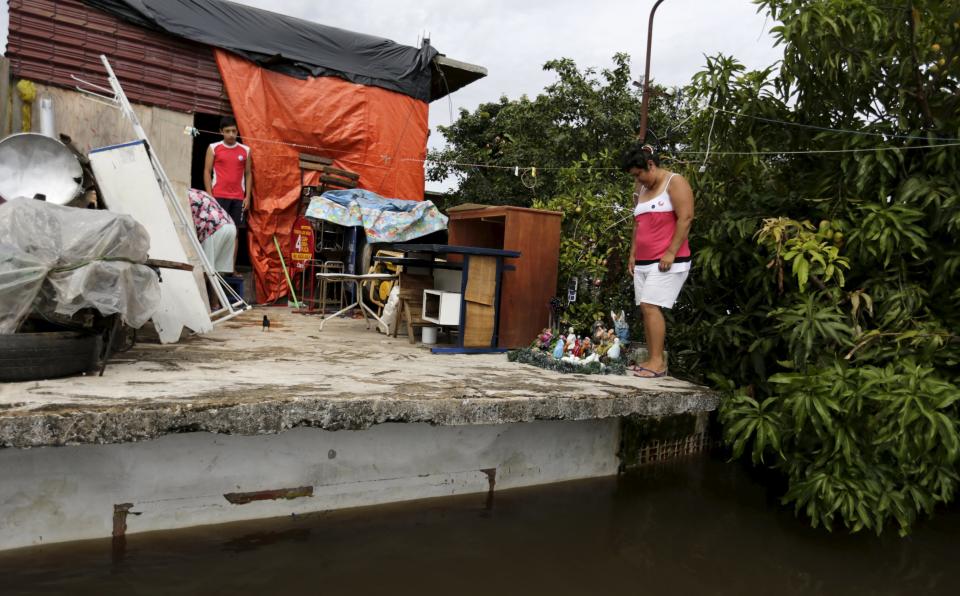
(513,39)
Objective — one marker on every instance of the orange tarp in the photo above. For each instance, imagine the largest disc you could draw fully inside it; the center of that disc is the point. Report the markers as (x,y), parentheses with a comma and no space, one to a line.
(379,134)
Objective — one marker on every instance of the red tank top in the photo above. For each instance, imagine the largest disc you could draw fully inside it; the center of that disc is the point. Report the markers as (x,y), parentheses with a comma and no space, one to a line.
(656,223)
(229,165)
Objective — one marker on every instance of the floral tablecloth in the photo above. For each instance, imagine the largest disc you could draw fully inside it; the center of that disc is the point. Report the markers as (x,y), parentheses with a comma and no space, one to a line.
(383,220)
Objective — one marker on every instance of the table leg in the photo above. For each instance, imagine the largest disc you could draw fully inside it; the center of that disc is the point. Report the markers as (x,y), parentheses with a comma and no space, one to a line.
(363,307)
(337,314)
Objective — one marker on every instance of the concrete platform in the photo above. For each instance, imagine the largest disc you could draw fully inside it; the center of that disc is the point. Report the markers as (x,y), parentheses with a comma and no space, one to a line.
(242,380)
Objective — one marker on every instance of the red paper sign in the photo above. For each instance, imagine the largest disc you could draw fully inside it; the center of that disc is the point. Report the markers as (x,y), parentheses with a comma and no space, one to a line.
(301,242)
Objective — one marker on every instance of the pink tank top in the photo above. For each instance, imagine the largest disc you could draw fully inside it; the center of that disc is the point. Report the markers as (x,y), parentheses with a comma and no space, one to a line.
(656,223)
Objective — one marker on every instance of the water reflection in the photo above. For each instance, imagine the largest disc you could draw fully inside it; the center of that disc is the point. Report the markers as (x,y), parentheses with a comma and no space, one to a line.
(697,527)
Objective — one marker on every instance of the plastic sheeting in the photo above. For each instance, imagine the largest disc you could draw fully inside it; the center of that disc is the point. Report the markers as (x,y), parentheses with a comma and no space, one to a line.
(378,134)
(383,220)
(62,259)
(285,44)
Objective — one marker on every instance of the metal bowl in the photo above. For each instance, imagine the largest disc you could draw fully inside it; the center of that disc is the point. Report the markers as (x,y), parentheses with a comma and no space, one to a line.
(32,164)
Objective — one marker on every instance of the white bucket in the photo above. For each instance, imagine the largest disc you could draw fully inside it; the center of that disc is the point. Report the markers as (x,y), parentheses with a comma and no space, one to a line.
(429,335)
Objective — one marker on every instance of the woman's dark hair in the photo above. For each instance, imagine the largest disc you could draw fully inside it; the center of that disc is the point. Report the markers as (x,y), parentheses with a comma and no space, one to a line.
(227,121)
(637,155)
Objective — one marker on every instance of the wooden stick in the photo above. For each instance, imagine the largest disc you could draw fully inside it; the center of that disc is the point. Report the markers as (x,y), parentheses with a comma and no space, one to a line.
(169,265)
(285,272)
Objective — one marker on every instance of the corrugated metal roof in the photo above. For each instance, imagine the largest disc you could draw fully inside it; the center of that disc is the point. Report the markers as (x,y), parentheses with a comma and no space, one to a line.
(50,40)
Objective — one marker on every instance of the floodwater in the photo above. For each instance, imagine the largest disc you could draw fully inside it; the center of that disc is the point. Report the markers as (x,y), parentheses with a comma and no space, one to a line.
(700,526)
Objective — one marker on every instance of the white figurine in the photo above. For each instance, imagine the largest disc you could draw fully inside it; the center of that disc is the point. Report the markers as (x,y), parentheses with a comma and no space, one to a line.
(614,352)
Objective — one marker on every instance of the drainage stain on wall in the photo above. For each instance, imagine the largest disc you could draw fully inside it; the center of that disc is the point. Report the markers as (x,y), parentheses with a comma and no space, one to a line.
(120,512)
(269,495)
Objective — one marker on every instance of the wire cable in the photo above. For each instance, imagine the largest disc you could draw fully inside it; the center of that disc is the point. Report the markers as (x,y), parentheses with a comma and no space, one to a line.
(836,130)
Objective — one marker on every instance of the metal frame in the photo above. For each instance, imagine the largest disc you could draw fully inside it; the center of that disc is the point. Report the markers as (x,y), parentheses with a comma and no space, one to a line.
(357,281)
(235,304)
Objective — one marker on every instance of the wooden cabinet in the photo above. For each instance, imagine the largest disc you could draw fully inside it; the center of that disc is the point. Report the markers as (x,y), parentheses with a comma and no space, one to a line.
(527,290)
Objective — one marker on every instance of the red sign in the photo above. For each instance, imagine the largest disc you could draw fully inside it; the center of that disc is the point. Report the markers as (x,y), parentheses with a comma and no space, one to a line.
(301,242)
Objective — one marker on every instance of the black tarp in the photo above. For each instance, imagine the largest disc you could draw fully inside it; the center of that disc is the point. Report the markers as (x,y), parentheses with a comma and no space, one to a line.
(286,44)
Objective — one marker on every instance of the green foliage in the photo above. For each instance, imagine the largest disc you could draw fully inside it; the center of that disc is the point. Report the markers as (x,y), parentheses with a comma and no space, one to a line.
(596,203)
(824,300)
(836,343)
(584,112)
(859,444)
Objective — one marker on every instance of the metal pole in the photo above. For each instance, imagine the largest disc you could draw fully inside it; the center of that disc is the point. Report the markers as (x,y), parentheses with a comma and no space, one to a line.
(646,77)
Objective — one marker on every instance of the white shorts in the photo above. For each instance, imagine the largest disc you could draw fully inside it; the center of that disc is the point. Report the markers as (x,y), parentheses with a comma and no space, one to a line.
(220,246)
(652,286)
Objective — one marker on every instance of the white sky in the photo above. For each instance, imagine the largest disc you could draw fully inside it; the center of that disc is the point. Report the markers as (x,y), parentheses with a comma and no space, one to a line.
(513,39)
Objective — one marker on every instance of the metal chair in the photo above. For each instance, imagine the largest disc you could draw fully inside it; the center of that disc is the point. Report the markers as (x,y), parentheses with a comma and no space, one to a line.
(331,267)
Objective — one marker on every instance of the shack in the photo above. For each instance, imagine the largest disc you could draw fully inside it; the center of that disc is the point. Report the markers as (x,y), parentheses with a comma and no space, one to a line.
(359,100)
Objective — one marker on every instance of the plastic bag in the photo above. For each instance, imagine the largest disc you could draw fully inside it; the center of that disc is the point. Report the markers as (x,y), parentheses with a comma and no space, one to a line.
(390,311)
(62,259)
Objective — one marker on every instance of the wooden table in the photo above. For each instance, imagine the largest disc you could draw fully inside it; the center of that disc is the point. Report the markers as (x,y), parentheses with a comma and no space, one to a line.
(480,280)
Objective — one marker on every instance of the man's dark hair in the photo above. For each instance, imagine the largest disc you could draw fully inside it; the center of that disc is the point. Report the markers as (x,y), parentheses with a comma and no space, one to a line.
(637,155)
(227,121)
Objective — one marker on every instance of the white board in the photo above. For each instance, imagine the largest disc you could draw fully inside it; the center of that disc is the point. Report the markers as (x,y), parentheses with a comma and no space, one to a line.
(129,185)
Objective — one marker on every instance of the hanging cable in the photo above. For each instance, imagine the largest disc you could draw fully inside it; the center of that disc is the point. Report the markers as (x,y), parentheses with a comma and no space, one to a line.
(835,130)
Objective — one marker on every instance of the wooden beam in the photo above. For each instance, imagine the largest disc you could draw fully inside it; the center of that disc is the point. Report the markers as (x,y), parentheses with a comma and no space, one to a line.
(327,170)
(317,167)
(344,182)
(316,159)
(169,265)
(342,173)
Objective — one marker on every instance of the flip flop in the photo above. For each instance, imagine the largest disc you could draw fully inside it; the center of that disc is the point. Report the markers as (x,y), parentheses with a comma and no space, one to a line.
(653,374)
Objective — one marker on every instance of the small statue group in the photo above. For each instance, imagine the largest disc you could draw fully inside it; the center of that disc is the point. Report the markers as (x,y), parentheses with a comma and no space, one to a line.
(580,350)
(607,342)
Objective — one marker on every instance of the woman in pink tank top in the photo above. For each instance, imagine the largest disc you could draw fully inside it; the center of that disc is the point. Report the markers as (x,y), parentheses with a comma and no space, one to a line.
(659,251)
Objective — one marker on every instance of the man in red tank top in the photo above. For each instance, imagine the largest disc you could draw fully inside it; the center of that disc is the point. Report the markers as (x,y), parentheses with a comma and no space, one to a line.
(659,252)
(228,172)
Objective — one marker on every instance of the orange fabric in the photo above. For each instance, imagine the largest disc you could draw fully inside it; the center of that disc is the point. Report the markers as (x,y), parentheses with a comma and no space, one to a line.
(379,134)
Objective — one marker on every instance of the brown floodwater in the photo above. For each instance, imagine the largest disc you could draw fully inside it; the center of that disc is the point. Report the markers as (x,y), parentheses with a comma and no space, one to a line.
(700,526)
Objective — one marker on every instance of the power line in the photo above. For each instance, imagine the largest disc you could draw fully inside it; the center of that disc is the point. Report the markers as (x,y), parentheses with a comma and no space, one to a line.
(815,151)
(836,130)
(665,156)
(685,152)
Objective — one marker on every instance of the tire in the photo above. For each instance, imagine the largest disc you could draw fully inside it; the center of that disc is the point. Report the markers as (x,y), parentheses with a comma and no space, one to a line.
(36,356)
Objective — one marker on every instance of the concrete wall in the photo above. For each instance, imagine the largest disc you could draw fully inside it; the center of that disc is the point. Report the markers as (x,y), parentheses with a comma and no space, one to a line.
(92,125)
(70,493)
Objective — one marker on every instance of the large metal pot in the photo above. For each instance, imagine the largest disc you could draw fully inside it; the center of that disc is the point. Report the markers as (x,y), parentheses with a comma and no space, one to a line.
(32,164)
